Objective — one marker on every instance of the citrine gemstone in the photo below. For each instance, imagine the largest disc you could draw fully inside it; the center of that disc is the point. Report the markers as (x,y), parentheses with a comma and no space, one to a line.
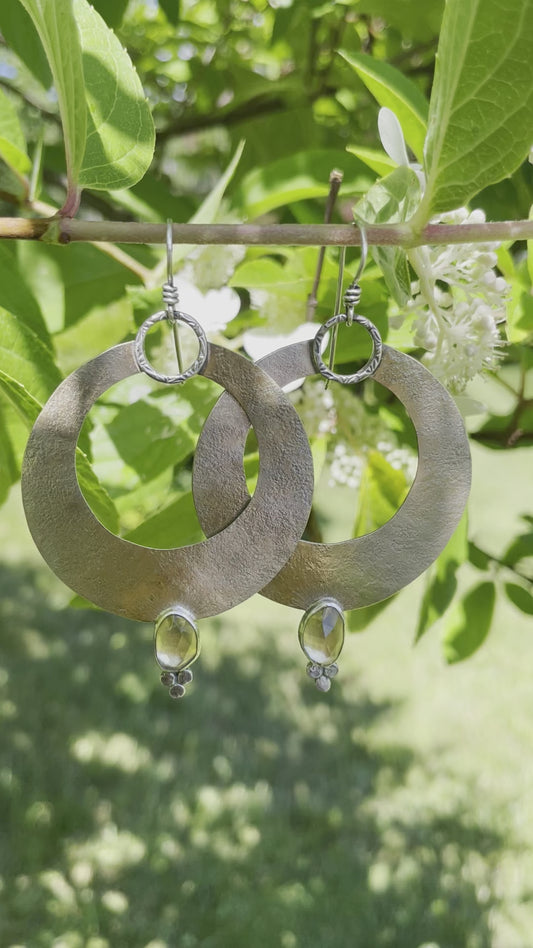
(176,641)
(321,632)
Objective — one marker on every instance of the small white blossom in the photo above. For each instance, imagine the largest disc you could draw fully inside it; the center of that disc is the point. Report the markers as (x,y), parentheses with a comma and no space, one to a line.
(391,135)
(346,468)
(458,302)
(458,299)
(213,310)
(335,411)
(316,408)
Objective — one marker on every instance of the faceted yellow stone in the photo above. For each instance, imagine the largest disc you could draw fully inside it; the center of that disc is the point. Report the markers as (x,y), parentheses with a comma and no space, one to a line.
(321,632)
(176,641)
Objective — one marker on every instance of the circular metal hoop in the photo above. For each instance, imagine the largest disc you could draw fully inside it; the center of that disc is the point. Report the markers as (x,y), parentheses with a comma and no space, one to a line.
(368,369)
(205,578)
(365,570)
(145,366)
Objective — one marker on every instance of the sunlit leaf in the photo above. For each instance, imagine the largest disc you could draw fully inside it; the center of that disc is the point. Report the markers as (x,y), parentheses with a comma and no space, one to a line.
(9,469)
(303,175)
(383,489)
(394,91)
(24,357)
(469,623)
(441,581)
(120,129)
(58,32)
(378,161)
(28,409)
(12,145)
(156,433)
(16,296)
(174,525)
(479,126)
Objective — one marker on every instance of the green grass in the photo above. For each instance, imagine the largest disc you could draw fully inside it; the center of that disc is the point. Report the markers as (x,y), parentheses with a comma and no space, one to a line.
(395,812)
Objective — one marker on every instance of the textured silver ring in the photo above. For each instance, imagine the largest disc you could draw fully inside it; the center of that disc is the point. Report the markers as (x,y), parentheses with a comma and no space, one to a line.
(361,571)
(141,358)
(369,367)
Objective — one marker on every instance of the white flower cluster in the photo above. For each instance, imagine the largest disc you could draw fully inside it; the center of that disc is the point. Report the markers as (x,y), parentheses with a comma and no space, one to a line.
(458,302)
(316,408)
(346,468)
(335,411)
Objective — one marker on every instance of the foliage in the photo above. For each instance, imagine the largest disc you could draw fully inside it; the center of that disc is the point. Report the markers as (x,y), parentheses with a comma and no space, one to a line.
(299,84)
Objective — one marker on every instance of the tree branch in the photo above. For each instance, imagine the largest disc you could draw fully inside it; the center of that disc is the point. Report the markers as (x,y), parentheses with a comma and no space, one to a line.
(64,230)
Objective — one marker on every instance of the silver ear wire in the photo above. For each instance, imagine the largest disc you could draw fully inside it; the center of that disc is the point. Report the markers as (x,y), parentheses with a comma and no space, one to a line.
(351,296)
(171,296)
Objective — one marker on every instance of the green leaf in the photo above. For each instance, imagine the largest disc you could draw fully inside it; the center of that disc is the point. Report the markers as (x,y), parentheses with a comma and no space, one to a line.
(100,329)
(394,91)
(441,582)
(530,250)
(391,200)
(12,145)
(210,206)
(26,406)
(57,29)
(383,489)
(120,128)
(21,36)
(111,10)
(358,620)
(9,469)
(520,597)
(25,357)
(301,176)
(479,128)
(520,553)
(175,525)
(162,431)
(171,9)
(28,409)
(16,296)
(96,496)
(73,282)
(378,161)
(469,623)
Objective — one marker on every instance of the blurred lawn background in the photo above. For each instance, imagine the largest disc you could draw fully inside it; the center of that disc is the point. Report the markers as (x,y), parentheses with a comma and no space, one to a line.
(395,811)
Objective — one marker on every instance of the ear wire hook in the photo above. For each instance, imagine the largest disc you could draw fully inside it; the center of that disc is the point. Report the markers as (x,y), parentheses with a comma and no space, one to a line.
(352,294)
(171,297)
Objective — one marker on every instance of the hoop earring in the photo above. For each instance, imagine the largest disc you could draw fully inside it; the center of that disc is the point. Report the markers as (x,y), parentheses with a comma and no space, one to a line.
(325,579)
(177,586)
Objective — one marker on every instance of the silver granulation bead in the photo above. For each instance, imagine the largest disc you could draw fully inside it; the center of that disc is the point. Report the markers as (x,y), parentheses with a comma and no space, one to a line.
(177,691)
(323,683)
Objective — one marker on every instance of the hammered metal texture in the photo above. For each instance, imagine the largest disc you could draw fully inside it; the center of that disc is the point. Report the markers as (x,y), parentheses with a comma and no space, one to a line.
(205,578)
(362,571)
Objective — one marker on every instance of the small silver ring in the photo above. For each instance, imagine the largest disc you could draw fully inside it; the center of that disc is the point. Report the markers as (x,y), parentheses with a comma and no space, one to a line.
(367,370)
(145,366)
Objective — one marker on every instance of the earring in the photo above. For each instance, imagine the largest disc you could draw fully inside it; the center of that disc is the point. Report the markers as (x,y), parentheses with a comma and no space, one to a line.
(177,586)
(326,579)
